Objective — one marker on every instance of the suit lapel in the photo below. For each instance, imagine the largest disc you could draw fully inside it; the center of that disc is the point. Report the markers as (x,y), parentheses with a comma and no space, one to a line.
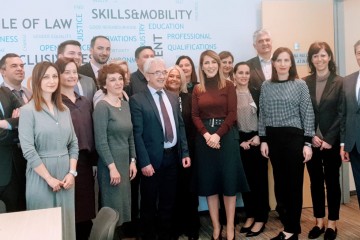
(312,90)
(328,88)
(153,104)
(353,90)
(91,72)
(27,93)
(258,69)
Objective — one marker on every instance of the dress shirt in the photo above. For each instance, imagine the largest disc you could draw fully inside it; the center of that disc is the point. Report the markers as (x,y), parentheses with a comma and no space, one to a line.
(95,69)
(266,67)
(357,87)
(23,95)
(170,113)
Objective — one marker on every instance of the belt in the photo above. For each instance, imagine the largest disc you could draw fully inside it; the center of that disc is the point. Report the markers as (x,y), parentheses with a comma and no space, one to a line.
(169,150)
(215,121)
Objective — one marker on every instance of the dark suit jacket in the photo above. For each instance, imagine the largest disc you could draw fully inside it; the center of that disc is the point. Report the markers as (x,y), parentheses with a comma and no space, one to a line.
(88,86)
(257,78)
(87,70)
(137,84)
(8,138)
(328,111)
(148,131)
(350,122)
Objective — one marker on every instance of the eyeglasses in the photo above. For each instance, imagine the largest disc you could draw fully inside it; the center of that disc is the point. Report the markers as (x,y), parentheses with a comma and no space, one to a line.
(159,73)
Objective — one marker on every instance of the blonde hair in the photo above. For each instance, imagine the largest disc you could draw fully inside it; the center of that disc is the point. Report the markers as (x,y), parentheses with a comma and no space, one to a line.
(220,76)
(183,83)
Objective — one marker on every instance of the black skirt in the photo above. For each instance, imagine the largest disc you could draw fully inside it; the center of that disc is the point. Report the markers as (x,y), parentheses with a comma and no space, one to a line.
(219,171)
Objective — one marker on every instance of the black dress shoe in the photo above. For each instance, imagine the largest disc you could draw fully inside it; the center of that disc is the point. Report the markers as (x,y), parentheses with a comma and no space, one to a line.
(315,232)
(282,236)
(254,234)
(247,229)
(330,234)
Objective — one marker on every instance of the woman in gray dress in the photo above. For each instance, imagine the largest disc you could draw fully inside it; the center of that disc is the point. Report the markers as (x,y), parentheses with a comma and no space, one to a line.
(114,143)
(50,146)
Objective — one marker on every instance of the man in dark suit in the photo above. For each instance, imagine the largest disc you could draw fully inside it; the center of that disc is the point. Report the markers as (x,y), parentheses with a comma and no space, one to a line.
(72,49)
(137,84)
(161,145)
(137,79)
(260,66)
(13,165)
(100,49)
(260,71)
(350,123)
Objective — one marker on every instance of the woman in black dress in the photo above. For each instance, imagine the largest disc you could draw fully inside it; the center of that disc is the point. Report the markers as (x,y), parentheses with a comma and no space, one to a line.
(186,210)
(219,171)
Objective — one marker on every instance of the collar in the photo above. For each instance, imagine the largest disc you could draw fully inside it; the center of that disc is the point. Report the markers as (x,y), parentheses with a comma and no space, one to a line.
(153,90)
(11,88)
(94,68)
(264,60)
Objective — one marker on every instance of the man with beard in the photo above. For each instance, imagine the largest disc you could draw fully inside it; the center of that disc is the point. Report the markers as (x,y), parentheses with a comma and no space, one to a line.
(100,49)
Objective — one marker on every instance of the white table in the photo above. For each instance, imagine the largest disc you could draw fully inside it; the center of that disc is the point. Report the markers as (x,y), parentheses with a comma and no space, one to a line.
(43,224)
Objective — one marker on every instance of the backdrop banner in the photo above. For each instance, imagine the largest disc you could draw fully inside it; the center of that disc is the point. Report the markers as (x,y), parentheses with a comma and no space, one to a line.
(34,29)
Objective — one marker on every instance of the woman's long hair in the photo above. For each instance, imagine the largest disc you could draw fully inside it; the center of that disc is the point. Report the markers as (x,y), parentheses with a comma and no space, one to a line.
(37,77)
(219,75)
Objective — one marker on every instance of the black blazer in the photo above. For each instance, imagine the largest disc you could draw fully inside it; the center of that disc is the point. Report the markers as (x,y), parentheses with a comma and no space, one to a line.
(87,70)
(8,138)
(350,122)
(328,111)
(257,78)
(148,131)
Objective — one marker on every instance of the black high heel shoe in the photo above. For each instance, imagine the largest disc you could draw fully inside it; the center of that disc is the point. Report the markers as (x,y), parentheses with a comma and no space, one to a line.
(247,229)
(254,234)
(219,237)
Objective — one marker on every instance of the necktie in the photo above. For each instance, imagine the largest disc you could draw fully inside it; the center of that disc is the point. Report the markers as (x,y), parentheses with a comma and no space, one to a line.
(169,135)
(358,97)
(18,95)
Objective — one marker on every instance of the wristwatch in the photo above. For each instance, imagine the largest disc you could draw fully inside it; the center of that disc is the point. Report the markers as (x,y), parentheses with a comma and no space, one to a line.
(73,172)
(307,144)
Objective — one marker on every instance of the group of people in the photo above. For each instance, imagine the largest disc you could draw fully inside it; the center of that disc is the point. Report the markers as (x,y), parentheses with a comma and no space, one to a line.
(172,135)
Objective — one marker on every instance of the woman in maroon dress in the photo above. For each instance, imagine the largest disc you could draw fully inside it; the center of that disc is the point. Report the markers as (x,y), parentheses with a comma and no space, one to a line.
(81,114)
